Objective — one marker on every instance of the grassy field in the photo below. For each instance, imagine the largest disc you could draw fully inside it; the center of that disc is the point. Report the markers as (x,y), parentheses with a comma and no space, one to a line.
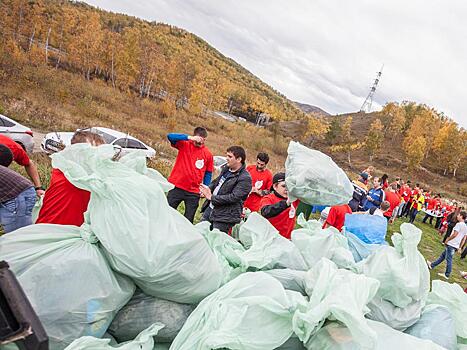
(431,247)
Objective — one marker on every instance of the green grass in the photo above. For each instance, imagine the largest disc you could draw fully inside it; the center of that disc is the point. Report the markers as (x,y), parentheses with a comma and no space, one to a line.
(431,246)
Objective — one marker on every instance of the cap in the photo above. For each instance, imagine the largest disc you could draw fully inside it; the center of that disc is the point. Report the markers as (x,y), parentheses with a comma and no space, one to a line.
(278,178)
(364,176)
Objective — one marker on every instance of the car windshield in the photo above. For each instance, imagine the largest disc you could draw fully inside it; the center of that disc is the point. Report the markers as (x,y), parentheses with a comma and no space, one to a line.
(107,137)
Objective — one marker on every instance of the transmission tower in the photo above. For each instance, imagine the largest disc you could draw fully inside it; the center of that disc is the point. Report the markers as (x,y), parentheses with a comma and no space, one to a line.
(366,106)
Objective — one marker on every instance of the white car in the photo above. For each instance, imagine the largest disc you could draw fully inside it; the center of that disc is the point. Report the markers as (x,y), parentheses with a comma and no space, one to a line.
(56,141)
(219,162)
(21,134)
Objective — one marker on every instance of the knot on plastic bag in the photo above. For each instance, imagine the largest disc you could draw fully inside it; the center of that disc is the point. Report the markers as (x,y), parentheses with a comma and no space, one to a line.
(87,234)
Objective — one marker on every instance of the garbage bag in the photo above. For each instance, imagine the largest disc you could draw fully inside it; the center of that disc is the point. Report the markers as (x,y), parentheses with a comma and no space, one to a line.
(314,178)
(401,269)
(226,249)
(143,237)
(315,243)
(396,317)
(67,280)
(290,279)
(251,312)
(359,249)
(336,294)
(265,248)
(144,310)
(368,228)
(454,298)
(144,341)
(292,344)
(37,208)
(336,336)
(436,324)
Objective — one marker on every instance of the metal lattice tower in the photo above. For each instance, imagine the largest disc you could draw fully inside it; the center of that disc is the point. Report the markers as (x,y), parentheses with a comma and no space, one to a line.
(366,106)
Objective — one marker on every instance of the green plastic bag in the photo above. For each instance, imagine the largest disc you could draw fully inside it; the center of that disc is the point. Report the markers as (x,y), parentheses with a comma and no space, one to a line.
(399,318)
(315,243)
(335,336)
(144,310)
(226,249)
(143,237)
(67,280)
(251,312)
(454,298)
(144,341)
(401,269)
(290,279)
(314,178)
(336,294)
(266,248)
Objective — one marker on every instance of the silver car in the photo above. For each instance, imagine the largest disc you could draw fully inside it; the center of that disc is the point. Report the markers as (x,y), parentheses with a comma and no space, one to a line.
(19,133)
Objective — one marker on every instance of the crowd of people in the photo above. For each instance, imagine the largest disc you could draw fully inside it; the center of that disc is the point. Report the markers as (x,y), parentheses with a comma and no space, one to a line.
(238,190)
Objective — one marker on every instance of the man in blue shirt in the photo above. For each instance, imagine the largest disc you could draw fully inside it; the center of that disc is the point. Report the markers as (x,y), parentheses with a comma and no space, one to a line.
(375,196)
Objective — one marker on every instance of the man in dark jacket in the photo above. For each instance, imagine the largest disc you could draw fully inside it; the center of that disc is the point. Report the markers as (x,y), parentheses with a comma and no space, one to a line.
(375,196)
(226,194)
(359,193)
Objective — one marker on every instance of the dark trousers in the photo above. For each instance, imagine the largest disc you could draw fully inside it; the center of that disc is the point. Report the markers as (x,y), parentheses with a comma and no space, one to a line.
(438,222)
(221,226)
(426,217)
(406,210)
(464,253)
(191,200)
(413,215)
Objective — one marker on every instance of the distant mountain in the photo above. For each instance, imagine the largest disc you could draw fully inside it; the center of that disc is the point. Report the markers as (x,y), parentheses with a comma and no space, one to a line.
(309,109)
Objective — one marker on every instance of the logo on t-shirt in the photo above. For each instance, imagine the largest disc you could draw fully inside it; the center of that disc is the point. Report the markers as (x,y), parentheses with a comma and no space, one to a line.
(292,211)
(199,164)
(259,184)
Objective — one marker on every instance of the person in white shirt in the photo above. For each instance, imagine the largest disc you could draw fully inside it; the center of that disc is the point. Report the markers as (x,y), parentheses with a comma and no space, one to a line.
(452,243)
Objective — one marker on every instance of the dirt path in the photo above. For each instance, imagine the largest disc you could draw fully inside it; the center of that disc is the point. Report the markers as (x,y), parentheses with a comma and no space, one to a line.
(38,136)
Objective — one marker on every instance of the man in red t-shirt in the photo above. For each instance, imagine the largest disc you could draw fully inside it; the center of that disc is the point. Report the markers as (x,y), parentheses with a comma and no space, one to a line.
(261,181)
(394,201)
(194,166)
(63,203)
(277,209)
(336,216)
(21,157)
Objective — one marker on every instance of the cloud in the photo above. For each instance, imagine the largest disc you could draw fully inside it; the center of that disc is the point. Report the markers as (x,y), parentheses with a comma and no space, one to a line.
(327,52)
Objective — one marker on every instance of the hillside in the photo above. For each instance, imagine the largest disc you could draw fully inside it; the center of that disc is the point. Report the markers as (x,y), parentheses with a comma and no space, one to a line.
(154,60)
(310,109)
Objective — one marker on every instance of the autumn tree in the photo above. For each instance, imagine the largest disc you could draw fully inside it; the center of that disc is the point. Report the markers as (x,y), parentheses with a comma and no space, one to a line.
(347,141)
(334,130)
(415,150)
(374,138)
(315,129)
(394,117)
(449,147)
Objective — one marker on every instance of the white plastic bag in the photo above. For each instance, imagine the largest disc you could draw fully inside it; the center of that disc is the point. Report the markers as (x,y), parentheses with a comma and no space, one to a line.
(251,312)
(144,341)
(336,294)
(335,336)
(454,298)
(266,248)
(315,243)
(144,238)
(67,280)
(314,178)
(401,269)
(395,317)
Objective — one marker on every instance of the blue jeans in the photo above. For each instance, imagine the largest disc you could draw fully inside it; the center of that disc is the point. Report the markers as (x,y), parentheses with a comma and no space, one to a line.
(413,215)
(17,212)
(447,254)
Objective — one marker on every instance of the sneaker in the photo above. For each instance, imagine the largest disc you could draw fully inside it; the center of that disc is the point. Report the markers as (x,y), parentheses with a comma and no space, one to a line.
(443,275)
(428,262)
(464,274)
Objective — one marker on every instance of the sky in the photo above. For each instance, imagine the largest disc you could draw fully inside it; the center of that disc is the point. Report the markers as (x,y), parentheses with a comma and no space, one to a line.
(327,52)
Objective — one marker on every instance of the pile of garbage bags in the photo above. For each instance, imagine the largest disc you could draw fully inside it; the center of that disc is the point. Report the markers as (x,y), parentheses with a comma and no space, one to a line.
(138,275)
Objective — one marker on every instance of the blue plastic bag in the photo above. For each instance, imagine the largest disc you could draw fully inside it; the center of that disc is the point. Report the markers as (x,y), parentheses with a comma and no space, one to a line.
(369,228)
(359,249)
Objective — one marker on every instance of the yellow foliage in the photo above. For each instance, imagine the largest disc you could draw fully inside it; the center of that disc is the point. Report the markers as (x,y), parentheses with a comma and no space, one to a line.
(415,149)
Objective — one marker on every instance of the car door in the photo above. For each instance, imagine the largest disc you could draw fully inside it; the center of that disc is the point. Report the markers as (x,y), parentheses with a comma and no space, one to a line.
(5,126)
